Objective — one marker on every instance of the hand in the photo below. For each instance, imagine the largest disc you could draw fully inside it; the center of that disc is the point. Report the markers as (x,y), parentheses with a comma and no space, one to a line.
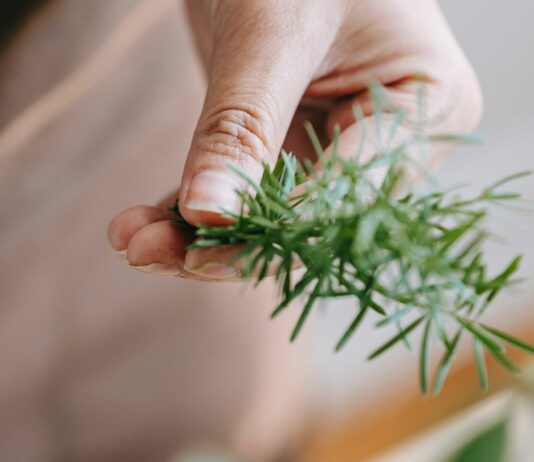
(273,64)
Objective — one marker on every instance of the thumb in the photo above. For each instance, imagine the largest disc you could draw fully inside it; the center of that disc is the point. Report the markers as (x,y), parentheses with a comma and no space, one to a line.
(265,53)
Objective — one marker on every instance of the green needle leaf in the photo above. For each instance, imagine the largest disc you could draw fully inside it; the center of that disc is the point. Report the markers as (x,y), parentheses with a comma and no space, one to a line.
(510,339)
(481,365)
(481,335)
(505,362)
(503,277)
(352,328)
(246,177)
(397,316)
(445,364)
(424,358)
(509,178)
(400,336)
(305,312)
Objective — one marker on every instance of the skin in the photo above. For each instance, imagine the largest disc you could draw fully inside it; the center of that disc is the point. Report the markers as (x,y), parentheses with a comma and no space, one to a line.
(273,64)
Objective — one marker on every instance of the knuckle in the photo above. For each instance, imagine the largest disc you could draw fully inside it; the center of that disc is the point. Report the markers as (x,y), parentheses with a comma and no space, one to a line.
(451,105)
(457,104)
(235,134)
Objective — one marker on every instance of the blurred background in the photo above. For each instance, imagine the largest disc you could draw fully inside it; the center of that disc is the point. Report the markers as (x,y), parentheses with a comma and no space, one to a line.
(98,362)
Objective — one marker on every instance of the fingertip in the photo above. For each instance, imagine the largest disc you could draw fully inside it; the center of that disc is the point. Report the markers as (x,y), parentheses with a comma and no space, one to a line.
(123,227)
(160,242)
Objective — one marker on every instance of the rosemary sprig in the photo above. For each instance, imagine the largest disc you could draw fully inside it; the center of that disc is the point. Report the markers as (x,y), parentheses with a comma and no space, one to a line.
(415,260)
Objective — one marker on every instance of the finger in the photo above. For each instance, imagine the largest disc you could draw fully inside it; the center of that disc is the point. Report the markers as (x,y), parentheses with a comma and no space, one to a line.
(160,248)
(226,263)
(131,220)
(150,242)
(433,113)
(215,262)
(264,56)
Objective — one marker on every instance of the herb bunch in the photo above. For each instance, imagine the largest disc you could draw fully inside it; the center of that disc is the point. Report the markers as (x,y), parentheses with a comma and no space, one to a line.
(415,260)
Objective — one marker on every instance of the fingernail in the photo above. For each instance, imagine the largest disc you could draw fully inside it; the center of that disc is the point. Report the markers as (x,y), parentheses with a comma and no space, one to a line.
(160,269)
(120,253)
(213,191)
(215,271)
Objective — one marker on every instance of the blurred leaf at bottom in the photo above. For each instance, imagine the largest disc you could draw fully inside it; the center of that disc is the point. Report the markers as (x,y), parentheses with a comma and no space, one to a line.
(488,446)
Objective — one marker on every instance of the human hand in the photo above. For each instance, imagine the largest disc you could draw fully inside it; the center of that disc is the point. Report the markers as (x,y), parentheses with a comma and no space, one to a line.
(273,64)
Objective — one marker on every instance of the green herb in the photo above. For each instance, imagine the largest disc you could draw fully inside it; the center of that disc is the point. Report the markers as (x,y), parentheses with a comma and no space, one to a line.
(413,259)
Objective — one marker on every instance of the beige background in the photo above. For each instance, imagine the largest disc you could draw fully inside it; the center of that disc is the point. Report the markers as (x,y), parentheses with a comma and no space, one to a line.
(99,362)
